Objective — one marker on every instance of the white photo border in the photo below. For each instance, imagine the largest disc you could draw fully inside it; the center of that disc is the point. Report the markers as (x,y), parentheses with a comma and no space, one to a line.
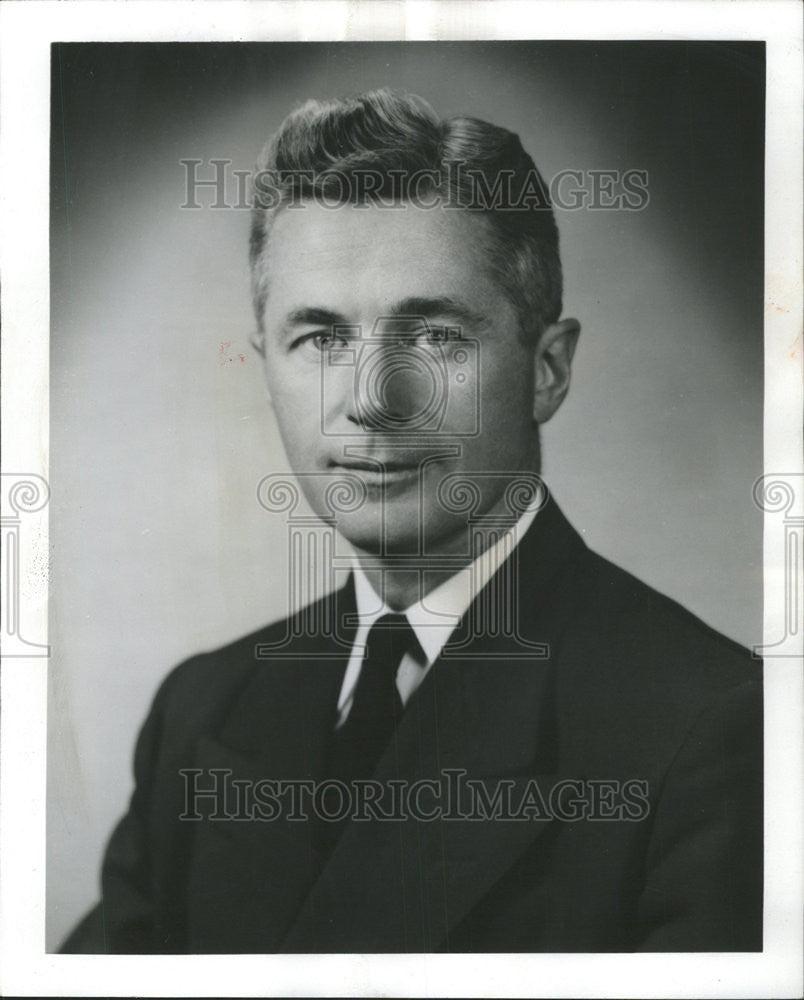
(28,29)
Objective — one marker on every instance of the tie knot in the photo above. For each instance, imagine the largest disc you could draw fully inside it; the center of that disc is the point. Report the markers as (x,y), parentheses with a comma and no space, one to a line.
(389,638)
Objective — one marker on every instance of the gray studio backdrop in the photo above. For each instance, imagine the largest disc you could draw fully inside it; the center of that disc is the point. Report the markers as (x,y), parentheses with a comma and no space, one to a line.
(160,427)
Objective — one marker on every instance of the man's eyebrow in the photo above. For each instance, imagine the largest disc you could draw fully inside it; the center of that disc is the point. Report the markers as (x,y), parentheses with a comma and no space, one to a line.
(416,305)
(313,316)
(442,305)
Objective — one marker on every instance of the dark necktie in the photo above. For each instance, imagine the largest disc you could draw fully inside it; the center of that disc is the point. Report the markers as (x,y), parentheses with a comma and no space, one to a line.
(376,709)
(356,747)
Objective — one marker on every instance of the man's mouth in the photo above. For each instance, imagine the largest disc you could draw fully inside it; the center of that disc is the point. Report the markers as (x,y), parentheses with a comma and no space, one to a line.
(379,471)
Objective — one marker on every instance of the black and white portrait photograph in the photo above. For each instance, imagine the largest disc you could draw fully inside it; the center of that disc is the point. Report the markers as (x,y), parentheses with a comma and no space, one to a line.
(421,535)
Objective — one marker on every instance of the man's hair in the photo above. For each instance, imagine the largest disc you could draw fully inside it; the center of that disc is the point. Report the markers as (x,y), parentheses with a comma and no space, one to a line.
(389,148)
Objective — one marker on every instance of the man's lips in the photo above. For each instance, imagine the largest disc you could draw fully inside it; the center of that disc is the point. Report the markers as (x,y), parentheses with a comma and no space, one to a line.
(375,465)
(384,472)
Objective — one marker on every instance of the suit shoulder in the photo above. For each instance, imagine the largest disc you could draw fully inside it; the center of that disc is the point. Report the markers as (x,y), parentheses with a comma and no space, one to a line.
(637,670)
(648,628)
(204,686)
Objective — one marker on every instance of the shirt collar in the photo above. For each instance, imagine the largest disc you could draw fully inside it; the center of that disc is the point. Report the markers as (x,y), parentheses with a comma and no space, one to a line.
(435,617)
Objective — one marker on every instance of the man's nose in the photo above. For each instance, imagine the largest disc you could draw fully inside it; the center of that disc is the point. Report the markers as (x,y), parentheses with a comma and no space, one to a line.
(394,386)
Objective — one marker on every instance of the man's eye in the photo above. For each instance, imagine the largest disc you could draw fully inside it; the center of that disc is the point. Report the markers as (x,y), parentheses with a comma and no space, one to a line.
(322,340)
(431,334)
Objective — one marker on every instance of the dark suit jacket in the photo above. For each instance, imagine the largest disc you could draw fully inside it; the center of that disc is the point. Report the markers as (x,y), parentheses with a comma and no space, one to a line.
(633,687)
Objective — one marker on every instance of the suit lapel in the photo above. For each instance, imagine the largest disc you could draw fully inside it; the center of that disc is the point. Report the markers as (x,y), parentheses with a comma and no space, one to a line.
(486,711)
(401,884)
(250,876)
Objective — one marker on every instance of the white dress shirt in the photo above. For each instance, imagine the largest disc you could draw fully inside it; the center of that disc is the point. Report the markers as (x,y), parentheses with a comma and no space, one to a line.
(433,619)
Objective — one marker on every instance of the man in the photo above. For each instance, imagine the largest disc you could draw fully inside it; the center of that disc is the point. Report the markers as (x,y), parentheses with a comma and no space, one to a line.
(488,738)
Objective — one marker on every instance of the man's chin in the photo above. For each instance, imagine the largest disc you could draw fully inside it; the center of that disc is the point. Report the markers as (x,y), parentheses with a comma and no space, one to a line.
(389,521)
(402,534)
(371,539)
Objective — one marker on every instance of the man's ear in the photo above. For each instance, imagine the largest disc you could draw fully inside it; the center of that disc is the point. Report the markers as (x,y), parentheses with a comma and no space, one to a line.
(257,341)
(552,365)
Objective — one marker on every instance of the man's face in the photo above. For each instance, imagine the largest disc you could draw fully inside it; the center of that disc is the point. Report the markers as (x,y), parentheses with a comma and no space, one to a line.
(431,377)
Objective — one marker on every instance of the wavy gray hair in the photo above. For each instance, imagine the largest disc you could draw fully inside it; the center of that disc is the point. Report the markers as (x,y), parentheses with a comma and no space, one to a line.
(389,147)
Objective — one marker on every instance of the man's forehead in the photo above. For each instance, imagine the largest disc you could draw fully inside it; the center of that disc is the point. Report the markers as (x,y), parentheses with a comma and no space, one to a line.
(343,234)
(407,250)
